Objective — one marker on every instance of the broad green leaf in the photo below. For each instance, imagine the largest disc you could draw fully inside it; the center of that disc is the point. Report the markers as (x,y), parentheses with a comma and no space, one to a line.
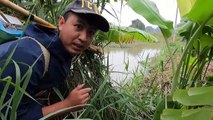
(149,11)
(185,6)
(126,34)
(205,41)
(200,91)
(184,28)
(171,114)
(201,11)
(192,114)
(194,96)
(197,114)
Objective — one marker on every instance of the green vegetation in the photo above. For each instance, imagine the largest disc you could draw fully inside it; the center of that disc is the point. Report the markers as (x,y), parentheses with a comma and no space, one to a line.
(192,68)
(19,86)
(177,86)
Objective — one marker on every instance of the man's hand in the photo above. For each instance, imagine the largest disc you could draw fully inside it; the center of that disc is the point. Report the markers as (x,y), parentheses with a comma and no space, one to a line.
(78,96)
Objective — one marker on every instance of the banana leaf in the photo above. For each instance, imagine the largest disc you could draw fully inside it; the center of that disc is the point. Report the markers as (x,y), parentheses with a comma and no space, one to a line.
(192,114)
(150,12)
(194,96)
(126,34)
(197,10)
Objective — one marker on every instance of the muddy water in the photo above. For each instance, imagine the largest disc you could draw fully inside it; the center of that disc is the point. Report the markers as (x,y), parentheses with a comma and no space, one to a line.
(119,57)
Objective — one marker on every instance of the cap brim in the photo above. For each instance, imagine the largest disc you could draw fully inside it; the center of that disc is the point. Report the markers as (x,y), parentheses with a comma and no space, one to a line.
(99,21)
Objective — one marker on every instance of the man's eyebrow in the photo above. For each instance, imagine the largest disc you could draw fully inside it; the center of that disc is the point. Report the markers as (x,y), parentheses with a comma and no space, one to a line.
(82,21)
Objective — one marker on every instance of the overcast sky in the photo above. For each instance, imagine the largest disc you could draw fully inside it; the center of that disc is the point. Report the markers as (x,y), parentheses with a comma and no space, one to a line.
(167,9)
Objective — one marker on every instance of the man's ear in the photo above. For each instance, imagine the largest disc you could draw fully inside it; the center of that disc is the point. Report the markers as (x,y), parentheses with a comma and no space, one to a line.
(61,21)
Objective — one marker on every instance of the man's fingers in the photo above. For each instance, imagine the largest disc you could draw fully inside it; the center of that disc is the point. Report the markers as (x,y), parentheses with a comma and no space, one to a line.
(85,90)
(85,100)
(80,86)
(85,95)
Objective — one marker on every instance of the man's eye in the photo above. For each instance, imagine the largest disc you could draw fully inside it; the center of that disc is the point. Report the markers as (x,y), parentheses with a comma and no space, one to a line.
(78,26)
(91,33)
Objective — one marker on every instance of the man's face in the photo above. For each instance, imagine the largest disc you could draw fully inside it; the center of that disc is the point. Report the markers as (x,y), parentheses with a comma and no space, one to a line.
(75,33)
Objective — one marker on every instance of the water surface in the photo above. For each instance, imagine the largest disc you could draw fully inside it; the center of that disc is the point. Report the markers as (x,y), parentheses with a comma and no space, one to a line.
(119,58)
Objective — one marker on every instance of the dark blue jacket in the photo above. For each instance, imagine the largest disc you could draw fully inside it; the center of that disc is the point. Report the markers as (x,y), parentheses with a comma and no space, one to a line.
(28,51)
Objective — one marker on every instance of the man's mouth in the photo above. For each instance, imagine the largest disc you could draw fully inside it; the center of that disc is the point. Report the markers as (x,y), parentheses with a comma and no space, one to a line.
(78,46)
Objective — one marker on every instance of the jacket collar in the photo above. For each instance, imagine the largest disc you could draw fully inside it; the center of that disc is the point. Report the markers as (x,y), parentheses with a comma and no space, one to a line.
(50,39)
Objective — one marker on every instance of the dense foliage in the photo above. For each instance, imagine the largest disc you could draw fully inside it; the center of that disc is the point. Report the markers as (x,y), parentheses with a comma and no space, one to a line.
(190,96)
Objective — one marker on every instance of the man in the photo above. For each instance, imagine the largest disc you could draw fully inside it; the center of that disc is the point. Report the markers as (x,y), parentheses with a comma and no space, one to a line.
(76,29)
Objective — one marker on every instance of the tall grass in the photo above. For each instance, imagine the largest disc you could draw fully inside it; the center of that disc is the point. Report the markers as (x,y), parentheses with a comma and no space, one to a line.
(13,89)
(106,102)
(9,101)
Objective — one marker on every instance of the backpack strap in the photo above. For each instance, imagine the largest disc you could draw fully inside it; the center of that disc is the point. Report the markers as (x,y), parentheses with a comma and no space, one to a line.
(45,52)
(46,57)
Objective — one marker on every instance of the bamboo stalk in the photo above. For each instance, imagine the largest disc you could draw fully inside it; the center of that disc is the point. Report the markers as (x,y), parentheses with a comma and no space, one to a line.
(21,10)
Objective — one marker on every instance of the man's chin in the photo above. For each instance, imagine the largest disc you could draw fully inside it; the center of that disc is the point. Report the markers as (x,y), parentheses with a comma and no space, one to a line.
(74,52)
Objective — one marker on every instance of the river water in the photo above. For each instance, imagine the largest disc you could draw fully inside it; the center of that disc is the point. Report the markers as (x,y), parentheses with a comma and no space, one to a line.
(118,58)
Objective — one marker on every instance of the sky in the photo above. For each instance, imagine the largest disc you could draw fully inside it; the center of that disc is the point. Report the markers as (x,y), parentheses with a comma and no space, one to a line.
(167,9)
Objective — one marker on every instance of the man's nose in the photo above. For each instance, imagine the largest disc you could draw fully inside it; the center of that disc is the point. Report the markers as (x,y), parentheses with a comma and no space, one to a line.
(83,36)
